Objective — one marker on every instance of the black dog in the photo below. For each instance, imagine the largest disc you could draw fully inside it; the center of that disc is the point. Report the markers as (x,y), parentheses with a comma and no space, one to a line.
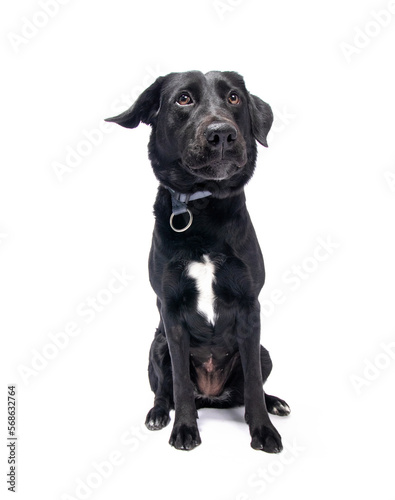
(205,264)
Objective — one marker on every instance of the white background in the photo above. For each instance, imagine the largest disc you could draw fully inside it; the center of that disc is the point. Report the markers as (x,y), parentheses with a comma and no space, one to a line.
(328,173)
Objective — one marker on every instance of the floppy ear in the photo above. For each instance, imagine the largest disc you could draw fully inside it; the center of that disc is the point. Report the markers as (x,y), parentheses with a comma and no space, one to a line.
(261,118)
(144,109)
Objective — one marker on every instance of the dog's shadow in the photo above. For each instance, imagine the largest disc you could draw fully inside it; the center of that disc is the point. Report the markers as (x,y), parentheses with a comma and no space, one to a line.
(222,414)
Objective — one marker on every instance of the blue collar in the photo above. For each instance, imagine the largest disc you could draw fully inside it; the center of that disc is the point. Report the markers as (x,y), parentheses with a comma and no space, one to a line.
(179,202)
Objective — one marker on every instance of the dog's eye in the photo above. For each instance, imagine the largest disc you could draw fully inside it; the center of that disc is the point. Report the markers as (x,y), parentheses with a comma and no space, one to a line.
(234,98)
(184,100)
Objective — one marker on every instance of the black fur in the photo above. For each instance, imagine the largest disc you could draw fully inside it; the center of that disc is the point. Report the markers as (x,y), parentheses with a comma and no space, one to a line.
(204,133)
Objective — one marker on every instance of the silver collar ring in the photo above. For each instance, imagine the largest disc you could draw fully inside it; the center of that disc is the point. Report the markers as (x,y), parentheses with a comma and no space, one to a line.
(184,228)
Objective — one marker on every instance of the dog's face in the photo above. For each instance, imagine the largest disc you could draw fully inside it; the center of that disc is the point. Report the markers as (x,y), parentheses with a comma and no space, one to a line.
(204,128)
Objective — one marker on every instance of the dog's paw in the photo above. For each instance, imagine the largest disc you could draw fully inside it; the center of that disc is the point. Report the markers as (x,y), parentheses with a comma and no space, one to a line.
(277,406)
(185,437)
(266,439)
(157,418)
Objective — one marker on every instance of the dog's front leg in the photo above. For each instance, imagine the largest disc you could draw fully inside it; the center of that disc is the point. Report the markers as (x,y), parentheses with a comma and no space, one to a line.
(185,433)
(264,435)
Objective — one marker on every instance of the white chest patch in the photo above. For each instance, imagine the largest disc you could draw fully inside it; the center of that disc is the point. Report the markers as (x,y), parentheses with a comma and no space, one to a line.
(204,274)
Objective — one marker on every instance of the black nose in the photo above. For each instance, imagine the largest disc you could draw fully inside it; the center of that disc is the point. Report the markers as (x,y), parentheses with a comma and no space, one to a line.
(221,135)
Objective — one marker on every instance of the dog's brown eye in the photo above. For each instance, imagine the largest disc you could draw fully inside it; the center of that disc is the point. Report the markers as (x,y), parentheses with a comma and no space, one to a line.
(184,100)
(234,98)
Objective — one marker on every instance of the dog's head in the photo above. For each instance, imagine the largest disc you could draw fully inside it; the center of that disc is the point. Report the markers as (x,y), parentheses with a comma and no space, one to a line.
(204,128)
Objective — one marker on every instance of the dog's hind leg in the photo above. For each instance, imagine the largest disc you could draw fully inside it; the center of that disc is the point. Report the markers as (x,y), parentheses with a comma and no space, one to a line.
(159,373)
(277,406)
(274,405)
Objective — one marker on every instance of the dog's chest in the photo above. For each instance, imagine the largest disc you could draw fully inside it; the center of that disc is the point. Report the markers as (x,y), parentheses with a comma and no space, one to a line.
(204,275)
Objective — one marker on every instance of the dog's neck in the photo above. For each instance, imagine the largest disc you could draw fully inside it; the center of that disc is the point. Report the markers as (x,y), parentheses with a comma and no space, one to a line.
(179,206)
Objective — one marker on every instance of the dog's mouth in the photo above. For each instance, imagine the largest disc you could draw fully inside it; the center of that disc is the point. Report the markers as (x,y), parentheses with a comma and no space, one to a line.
(215,166)
(214,161)
(217,170)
